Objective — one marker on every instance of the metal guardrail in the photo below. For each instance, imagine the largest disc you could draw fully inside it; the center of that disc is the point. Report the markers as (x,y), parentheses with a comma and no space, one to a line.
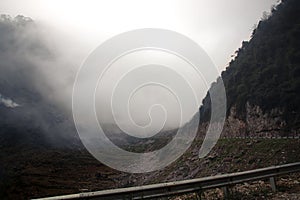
(186,186)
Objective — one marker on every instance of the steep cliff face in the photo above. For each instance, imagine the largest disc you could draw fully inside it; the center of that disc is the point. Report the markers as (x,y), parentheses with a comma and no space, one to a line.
(256,124)
(262,82)
(270,124)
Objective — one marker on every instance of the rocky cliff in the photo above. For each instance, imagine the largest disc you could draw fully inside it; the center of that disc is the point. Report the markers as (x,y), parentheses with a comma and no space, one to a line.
(257,123)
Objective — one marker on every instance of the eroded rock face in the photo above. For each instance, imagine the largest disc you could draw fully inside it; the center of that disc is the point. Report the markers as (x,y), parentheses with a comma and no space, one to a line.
(256,124)
(270,124)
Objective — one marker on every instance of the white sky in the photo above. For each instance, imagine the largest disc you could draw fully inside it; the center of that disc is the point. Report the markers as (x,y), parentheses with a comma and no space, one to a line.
(218,26)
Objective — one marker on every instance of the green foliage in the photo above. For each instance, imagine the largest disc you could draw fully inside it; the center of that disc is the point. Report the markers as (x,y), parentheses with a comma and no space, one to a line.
(266,70)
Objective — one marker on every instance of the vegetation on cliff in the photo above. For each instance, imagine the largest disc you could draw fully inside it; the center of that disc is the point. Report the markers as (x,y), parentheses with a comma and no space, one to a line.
(266,70)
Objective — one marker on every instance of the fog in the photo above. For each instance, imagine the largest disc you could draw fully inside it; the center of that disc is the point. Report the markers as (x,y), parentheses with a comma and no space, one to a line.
(49,52)
(218,26)
(34,84)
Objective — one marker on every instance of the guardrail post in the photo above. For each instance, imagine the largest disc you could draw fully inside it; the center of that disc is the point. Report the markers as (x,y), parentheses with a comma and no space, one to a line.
(128,197)
(226,192)
(273,184)
(199,195)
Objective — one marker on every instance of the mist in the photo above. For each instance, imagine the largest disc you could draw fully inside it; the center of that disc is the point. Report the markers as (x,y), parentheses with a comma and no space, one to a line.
(40,57)
(34,84)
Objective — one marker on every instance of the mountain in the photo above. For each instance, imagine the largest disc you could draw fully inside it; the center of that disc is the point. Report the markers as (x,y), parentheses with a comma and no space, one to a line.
(28,117)
(262,82)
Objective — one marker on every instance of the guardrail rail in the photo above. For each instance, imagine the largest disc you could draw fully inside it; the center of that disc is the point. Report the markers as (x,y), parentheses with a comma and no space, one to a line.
(186,186)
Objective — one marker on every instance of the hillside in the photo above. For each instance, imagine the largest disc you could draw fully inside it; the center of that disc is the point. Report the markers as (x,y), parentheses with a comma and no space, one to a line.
(262,82)
(28,116)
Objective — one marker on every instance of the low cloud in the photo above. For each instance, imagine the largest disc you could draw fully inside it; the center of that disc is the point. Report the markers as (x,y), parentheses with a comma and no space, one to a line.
(8,102)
